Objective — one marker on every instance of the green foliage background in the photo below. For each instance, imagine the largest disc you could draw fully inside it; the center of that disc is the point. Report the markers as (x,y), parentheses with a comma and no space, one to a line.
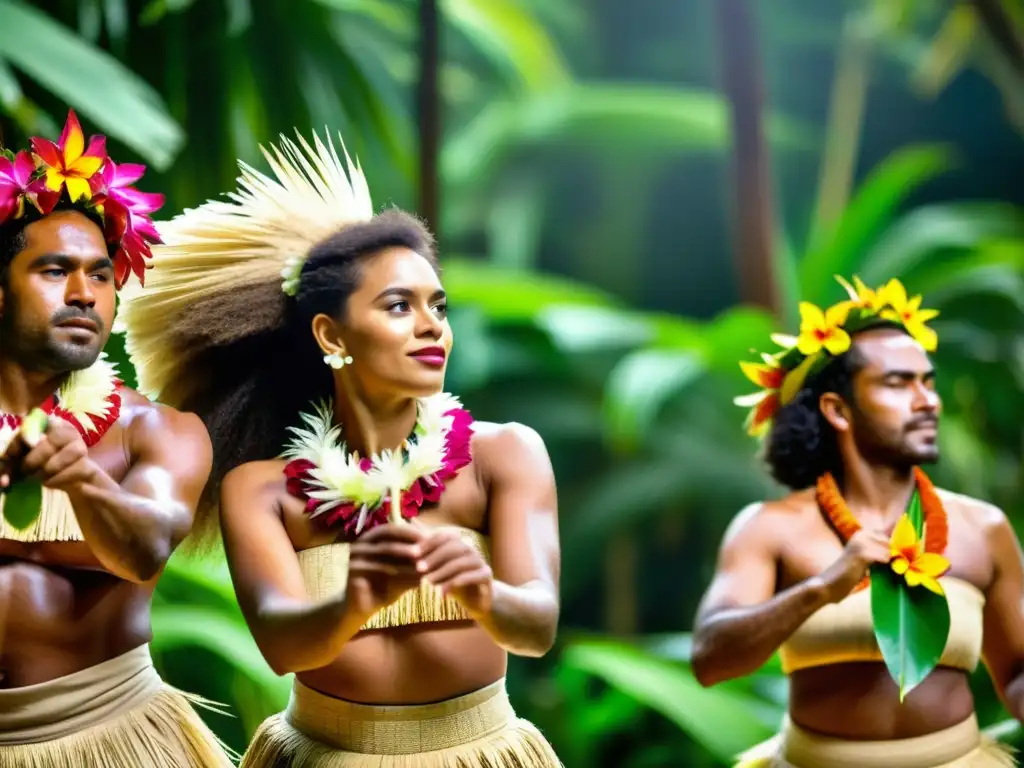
(587,229)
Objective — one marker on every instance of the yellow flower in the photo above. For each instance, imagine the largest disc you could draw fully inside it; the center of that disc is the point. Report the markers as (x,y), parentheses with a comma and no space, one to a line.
(861,297)
(908,560)
(907,311)
(823,329)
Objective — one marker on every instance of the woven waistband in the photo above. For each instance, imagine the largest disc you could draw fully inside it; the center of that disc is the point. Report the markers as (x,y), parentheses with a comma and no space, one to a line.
(802,748)
(405,730)
(66,705)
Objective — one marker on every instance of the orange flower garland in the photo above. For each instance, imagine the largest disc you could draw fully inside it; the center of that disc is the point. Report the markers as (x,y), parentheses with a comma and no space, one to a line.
(936,523)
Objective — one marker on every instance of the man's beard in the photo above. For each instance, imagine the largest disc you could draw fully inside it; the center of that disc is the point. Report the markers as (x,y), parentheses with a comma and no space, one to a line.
(37,349)
(894,449)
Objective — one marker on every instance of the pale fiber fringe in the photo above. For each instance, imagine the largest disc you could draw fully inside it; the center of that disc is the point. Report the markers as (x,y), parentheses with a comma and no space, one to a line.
(162,733)
(56,522)
(278,745)
(990,754)
(248,238)
(325,573)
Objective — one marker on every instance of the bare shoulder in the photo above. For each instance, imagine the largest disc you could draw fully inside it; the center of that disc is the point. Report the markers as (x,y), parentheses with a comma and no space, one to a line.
(768,521)
(975,513)
(253,481)
(142,416)
(509,447)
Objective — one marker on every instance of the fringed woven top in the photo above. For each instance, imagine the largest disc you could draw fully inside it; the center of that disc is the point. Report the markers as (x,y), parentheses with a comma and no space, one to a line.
(844,633)
(56,522)
(325,573)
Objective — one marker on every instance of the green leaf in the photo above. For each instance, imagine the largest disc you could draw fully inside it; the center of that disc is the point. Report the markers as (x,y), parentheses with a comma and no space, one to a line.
(915,513)
(650,119)
(97,85)
(512,38)
(875,203)
(183,626)
(639,386)
(23,502)
(672,691)
(911,626)
(514,295)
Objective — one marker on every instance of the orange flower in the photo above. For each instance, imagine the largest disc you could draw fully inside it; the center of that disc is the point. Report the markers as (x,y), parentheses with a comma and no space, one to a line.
(910,561)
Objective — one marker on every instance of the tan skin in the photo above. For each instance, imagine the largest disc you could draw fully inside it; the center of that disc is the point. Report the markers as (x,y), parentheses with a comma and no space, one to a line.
(780,562)
(66,606)
(508,492)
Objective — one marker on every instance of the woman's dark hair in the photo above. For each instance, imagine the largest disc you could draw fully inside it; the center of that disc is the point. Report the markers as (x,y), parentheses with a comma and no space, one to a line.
(254,362)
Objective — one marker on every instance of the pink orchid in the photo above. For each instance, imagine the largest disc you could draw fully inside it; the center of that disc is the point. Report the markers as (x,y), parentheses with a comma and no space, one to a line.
(69,164)
(15,179)
(126,217)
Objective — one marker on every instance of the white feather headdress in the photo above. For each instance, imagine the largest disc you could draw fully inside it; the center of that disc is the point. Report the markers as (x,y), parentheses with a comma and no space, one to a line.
(263,230)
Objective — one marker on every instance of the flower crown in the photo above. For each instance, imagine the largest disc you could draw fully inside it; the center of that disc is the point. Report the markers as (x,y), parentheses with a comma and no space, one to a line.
(824,335)
(93,182)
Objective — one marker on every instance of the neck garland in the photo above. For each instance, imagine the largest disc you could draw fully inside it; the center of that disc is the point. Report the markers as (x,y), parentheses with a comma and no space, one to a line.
(936,524)
(353,494)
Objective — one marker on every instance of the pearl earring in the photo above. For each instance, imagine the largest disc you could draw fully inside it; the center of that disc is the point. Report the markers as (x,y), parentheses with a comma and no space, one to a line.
(336,361)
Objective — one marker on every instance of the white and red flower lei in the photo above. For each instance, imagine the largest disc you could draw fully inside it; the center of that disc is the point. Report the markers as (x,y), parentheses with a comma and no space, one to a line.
(343,490)
(90,400)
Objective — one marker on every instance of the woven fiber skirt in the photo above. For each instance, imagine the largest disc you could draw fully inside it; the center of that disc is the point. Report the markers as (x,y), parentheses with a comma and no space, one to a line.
(478,730)
(962,746)
(118,714)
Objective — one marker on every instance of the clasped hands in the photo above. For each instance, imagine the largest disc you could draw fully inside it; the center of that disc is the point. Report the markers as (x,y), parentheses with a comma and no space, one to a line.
(391,559)
(59,459)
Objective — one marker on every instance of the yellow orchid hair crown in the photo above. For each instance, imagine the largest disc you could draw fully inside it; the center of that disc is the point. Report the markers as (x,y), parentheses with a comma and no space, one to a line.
(825,335)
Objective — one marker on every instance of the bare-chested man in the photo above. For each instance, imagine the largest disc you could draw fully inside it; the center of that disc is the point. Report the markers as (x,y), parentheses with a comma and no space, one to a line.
(121,477)
(849,442)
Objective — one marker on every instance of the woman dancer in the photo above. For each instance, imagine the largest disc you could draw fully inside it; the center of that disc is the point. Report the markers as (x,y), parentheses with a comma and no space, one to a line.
(384,547)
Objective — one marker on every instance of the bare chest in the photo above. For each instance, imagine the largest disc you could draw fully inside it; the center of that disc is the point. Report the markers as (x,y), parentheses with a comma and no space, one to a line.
(812,546)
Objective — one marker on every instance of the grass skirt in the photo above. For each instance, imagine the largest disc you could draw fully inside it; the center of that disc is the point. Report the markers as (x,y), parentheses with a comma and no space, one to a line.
(118,714)
(478,730)
(962,746)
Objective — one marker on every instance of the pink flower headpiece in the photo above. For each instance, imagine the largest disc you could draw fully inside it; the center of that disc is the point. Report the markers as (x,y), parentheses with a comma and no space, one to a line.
(90,180)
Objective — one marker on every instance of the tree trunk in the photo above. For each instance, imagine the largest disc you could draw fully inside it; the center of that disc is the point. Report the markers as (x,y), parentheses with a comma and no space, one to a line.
(428,114)
(752,182)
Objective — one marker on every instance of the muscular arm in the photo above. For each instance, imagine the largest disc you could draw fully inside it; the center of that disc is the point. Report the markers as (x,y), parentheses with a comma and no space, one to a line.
(133,527)
(525,554)
(293,633)
(741,622)
(1003,645)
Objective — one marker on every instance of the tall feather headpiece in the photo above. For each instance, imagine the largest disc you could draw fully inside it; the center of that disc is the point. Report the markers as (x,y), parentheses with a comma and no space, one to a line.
(264,230)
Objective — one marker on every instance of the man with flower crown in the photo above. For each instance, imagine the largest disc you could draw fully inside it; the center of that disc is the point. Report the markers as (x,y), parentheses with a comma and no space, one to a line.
(880,592)
(98,485)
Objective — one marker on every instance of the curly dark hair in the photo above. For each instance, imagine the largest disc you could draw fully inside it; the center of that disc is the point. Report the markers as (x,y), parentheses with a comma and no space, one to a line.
(253,362)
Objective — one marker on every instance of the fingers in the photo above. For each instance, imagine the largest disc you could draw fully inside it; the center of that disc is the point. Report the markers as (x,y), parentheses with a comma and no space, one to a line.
(370,568)
(453,568)
(439,539)
(466,579)
(442,552)
(392,552)
(401,532)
